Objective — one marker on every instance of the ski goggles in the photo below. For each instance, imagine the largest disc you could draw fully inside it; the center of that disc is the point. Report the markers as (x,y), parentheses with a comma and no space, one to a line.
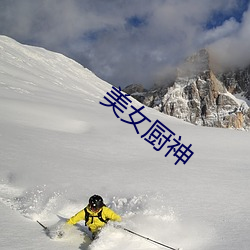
(94,208)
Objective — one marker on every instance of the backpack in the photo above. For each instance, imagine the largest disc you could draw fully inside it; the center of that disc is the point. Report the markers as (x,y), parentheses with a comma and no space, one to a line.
(88,216)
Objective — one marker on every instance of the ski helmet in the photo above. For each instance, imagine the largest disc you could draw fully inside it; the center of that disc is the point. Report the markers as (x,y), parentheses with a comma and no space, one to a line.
(95,202)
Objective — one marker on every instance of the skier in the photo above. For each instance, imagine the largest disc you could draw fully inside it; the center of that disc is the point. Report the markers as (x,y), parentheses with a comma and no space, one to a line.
(95,214)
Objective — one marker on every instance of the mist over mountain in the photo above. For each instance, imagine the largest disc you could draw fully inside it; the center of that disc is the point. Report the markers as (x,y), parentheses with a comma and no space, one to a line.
(203,92)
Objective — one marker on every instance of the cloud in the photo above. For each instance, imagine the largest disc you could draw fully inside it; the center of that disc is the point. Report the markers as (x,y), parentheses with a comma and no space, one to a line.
(233,49)
(121,41)
(228,28)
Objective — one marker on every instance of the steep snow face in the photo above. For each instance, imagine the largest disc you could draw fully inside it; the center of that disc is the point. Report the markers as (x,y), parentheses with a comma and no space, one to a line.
(34,75)
(59,146)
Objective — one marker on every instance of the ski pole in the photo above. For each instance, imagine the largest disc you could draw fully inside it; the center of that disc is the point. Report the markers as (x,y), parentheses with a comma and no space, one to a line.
(45,228)
(146,238)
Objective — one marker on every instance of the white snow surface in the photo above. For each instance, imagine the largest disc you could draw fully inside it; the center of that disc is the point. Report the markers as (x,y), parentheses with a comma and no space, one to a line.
(59,146)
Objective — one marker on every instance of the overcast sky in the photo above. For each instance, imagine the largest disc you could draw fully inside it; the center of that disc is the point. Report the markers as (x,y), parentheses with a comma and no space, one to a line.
(131,41)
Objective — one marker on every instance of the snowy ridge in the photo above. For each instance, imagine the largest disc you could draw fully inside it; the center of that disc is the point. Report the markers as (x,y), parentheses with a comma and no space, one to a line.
(59,146)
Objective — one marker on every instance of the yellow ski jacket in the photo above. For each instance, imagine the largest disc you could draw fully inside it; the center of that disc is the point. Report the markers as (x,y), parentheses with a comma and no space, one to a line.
(94,223)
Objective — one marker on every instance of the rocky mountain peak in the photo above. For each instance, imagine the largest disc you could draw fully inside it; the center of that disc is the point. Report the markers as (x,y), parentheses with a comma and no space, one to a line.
(196,64)
(200,96)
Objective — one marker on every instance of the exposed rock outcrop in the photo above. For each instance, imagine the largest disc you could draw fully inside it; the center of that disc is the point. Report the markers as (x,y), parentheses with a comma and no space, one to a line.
(199,96)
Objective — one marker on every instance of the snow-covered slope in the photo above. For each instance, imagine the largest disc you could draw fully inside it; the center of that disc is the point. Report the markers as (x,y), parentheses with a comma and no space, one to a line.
(59,146)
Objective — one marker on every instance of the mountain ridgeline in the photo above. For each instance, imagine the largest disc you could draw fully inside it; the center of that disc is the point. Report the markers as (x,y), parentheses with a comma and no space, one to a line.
(201,94)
